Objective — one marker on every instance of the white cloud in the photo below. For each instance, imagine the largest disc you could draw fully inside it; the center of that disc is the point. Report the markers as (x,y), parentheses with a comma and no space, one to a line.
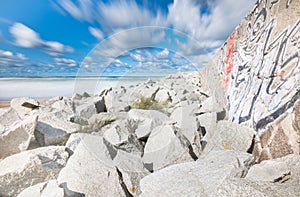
(81,11)
(137,57)
(25,37)
(185,16)
(96,33)
(119,63)
(28,38)
(128,40)
(118,15)
(21,56)
(7,53)
(65,62)
(8,58)
(114,16)
(205,24)
(225,16)
(218,23)
(163,54)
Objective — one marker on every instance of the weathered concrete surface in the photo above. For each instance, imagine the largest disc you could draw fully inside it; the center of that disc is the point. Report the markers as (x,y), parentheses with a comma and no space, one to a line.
(232,136)
(255,76)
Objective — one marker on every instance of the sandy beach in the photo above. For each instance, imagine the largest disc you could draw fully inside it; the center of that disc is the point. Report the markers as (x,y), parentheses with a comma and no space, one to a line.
(4,104)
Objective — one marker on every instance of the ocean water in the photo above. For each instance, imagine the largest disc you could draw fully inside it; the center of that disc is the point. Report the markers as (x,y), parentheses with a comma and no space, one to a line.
(47,87)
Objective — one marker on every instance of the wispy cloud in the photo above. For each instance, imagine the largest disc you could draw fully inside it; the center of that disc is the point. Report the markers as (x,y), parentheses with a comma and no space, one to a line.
(218,20)
(205,24)
(5,20)
(9,59)
(65,62)
(97,33)
(130,39)
(82,11)
(118,15)
(28,38)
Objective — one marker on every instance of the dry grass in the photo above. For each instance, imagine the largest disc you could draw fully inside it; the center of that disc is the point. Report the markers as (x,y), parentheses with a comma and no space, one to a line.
(149,104)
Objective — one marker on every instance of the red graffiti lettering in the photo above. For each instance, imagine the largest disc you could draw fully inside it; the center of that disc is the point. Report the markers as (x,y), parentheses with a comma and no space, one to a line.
(229,60)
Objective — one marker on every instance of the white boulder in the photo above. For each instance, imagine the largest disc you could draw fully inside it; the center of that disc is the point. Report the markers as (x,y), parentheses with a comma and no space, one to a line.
(28,168)
(17,137)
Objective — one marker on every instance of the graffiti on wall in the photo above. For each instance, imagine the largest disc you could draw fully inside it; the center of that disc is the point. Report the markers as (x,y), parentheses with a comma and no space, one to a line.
(229,60)
(265,74)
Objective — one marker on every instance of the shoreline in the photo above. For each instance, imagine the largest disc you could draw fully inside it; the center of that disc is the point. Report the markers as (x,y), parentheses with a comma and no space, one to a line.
(5,104)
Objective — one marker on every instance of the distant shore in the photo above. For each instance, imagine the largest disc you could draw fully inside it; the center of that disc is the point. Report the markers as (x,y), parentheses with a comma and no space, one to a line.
(4,104)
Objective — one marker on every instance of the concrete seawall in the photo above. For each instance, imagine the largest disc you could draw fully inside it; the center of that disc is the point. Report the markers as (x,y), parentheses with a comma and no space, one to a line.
(255,76)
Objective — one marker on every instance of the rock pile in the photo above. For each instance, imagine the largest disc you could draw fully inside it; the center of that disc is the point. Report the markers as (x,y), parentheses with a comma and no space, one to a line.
(159,138)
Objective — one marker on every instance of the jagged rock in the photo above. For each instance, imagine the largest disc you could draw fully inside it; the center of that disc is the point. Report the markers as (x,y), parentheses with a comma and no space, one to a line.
(207,123)
(47,135)
(208,105)
(116,100)
(116,134)
(74,140)
(48,189)
(186,120)
(240,187)
(118,106)
(277,170)
(164,148)
(147,91)
(231,135)
(23,106)
(86,110)
(28,168)
(76,97)
(203,177)
(86,95)
(146,121)
(90,169)
(53,122)
(132,168)
(45,189)
(9,117)
(17,137)
(162,96)
(121,134)
(132,145)
(90,106)
(279,177)
(65,105)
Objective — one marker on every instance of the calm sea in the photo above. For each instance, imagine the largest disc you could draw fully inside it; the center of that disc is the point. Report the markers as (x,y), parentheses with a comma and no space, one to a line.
(47,87)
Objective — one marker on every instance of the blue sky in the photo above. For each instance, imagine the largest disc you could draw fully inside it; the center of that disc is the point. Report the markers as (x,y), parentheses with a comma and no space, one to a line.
(113,37)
